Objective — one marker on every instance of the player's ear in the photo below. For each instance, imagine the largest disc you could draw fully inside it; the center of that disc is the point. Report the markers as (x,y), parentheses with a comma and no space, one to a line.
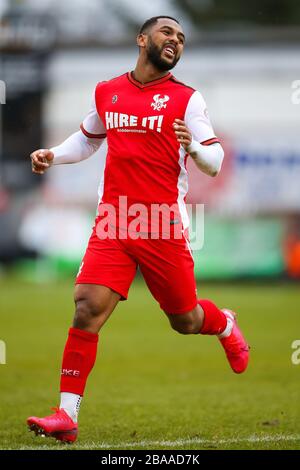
(141,40)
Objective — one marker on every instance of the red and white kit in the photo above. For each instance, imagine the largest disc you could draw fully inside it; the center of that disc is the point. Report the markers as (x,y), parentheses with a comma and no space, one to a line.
(146,163)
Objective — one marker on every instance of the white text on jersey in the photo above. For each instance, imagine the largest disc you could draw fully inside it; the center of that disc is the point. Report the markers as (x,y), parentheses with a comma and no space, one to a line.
(117,120)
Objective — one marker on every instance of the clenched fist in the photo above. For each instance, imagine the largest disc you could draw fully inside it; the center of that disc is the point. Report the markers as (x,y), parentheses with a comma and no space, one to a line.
(183,134)
(41,160)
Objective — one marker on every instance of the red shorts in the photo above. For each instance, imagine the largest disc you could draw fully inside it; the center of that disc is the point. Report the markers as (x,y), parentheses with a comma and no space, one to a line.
(166,264)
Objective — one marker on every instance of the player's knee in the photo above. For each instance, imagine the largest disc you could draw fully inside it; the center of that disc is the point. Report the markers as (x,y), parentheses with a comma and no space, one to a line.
(87,310)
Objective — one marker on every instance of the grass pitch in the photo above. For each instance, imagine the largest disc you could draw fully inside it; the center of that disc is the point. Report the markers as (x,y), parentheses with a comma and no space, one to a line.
(152,388)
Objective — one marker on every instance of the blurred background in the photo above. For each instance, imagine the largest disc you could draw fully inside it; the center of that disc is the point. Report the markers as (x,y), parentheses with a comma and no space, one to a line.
(244,57)
(146,388)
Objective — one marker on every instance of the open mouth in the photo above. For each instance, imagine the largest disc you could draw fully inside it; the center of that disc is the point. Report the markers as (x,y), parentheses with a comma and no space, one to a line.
(169,51)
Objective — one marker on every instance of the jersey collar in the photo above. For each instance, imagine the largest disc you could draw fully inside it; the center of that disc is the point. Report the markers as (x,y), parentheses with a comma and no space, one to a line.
(148,84)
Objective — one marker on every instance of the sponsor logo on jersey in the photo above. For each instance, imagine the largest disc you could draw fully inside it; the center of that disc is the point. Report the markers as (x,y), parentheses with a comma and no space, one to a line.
(121,120)
(159,102)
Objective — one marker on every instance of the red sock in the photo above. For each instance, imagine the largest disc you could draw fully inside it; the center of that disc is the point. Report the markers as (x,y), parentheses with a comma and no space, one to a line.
(215,321)
(78,360)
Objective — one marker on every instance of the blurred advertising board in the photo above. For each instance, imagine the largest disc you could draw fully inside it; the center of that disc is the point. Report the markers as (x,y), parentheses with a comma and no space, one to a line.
(257,177)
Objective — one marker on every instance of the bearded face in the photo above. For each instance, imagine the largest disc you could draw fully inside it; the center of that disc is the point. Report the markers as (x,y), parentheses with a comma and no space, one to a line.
(163,56)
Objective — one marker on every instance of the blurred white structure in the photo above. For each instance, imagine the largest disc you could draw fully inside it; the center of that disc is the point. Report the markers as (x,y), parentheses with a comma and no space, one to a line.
(96,19)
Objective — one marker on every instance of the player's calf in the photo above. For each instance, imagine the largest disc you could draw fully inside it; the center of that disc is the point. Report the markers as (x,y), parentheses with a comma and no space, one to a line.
(208,319)
(187,323)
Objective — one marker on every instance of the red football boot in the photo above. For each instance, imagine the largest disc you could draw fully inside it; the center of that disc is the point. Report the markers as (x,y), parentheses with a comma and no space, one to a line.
(235,346)
(58,425)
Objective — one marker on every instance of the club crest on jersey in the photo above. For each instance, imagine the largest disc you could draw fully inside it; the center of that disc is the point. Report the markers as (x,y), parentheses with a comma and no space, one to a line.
(114,99)
(160,102)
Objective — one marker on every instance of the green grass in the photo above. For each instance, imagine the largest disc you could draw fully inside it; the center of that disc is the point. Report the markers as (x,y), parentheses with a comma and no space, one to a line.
(152,388)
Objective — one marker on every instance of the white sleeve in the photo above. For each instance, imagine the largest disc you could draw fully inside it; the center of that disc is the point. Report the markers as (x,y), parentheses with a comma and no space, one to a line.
(205,148)
(84,143)
(92,126)
(197,120)
(207,158)
(75,148)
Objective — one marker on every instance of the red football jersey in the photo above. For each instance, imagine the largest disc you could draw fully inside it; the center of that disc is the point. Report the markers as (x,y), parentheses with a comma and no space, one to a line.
(145,162)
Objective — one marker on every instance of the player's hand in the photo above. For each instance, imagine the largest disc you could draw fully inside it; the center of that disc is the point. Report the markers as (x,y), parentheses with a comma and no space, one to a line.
(41,160)
(183,134)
